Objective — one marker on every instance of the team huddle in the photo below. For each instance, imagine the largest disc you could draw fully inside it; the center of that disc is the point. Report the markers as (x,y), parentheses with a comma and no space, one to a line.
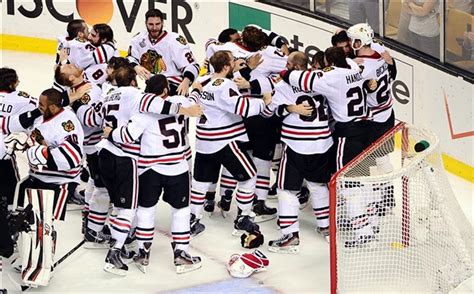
(259,107)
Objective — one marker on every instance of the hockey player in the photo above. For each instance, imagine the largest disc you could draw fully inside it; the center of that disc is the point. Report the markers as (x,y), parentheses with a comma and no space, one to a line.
(55,158)
(340,39)
(306,156)
(262,132)
(12,102)
(346,91)
(163,168)
(76,28)
(380,67)
(97,202)
(91,54)
(157,51)
(122,183)
(95,65)
(220,134)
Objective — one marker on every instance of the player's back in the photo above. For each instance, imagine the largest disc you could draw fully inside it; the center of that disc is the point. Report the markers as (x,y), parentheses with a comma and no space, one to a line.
(16,102)
(274,61)
(220,123)
(380,102)
(117,109)
(344,89)
(78,49)
(164,141)
(237,50)
(304,134)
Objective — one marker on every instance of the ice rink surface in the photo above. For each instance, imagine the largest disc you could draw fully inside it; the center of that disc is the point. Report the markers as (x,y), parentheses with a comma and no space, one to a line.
(306,272)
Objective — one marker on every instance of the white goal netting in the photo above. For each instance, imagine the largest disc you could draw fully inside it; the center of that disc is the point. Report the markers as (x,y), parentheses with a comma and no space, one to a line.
(396,225)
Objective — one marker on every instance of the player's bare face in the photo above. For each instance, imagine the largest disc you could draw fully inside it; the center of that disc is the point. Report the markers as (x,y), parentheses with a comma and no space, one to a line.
(85,32)
(289,64)
(345,46)
(72,70)
(154,25)
(94,38)
(235,37)
(43,107)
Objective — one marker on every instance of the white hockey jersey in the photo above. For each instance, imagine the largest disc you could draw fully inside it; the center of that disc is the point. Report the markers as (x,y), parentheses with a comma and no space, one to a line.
(91,59)
(163,140)
(222,122)
(169,56)
(86,109)
(304,135)
(64,137)
(117,109)
(381,101)
(274,61)
(343,88)
(14,104)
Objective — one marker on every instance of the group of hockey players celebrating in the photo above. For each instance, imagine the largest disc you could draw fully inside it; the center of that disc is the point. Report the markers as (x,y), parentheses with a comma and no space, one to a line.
(259,106)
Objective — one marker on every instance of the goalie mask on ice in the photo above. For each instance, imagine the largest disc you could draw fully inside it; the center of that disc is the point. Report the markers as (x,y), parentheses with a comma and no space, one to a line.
(244,265)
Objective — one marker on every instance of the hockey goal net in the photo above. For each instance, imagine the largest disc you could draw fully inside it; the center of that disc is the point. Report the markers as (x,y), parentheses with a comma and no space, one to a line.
(395,223)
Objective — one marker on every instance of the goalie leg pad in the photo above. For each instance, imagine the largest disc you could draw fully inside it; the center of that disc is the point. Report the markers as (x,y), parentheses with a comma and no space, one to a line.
(38,245)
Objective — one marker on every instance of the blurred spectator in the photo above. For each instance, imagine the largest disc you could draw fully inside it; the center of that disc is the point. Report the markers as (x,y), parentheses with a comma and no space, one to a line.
(364,11)
(423,28)
(464,5)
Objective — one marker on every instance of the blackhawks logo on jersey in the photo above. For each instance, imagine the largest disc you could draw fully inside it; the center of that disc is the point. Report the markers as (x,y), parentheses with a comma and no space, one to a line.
(327,69)
(182,40)
(68,126)
(85,98)
(218,82)
(153,62)
(23,94)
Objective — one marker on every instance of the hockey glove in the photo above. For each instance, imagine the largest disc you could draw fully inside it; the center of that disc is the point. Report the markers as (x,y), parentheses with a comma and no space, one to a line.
(37,155)
(251,240)
(17,142)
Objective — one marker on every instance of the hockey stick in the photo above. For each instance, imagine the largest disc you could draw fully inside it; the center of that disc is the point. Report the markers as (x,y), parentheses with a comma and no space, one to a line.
(69,253)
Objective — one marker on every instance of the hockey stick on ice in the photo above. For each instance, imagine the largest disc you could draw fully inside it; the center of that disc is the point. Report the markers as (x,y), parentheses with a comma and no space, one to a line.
(69,253)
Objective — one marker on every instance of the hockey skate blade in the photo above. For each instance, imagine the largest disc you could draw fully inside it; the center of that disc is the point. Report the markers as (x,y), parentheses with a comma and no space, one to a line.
(303,206)
(110,268)
(224,213)
(127,260)
(283,250)
(184,268)
(94,245)
(141,267)
(272,197)
(264,218)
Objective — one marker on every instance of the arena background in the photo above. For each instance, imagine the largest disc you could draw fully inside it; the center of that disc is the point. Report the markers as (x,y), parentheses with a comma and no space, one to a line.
(426,96)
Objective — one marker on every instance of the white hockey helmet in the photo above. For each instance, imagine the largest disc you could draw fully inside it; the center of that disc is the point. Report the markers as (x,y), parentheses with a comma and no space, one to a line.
(362,32)
(244,265)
